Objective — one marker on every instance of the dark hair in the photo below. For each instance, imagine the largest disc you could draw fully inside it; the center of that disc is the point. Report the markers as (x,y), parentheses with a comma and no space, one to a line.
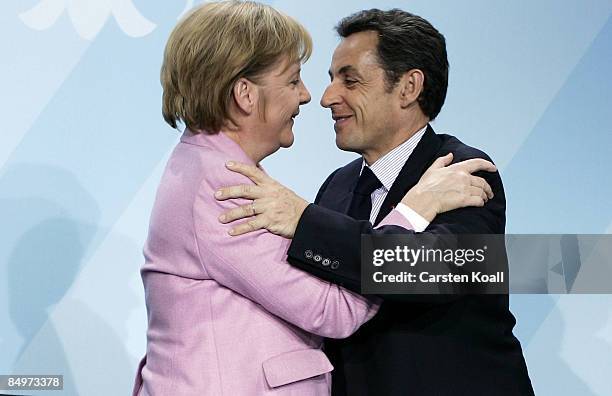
(406,41)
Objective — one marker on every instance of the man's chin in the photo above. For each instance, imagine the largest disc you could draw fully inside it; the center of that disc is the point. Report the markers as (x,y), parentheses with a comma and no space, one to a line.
(343,145)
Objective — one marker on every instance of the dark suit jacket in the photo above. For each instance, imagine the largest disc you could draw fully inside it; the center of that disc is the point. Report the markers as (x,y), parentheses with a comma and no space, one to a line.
(416,344)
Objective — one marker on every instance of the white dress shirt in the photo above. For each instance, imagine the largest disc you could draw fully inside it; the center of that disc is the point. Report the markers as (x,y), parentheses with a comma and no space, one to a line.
(386,169)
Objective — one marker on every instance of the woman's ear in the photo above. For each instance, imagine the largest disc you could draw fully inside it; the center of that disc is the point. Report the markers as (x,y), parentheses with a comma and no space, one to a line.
(411,86)
(245,95)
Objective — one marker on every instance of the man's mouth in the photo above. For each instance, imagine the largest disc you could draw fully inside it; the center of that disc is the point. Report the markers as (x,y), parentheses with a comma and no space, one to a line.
(340,119)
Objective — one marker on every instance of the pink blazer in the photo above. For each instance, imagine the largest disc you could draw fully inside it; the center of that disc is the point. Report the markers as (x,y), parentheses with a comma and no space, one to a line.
(228,315)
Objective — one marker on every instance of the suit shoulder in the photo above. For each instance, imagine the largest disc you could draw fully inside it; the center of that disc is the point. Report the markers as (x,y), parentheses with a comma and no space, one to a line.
(349,169)
(341,176)
(346,172)
(460,150)
(208,166)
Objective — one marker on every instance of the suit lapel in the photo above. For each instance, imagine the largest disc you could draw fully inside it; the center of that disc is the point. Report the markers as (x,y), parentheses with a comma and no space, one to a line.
(422,156)
(339,193)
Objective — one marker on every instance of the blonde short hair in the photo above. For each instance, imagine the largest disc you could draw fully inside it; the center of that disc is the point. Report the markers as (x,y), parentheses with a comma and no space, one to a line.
(212,47)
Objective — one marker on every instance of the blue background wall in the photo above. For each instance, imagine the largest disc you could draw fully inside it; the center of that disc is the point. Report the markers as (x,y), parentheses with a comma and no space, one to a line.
(83,145)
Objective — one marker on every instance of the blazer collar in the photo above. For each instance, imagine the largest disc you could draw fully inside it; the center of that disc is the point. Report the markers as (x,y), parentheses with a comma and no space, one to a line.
(218,142)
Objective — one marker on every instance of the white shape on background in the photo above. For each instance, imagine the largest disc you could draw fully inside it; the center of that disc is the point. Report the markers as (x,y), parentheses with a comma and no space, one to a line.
(44,14)
(89,16)
(188,7)
(605,333)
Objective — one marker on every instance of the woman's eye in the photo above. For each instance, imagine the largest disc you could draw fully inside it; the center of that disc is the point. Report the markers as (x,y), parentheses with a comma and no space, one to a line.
(295,82)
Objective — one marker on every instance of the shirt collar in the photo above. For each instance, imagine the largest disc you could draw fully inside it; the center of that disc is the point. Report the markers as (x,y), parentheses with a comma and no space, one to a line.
(388,167)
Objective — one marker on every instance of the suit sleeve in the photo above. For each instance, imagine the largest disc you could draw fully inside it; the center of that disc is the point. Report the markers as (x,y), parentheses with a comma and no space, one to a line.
(338,236)
(255,266)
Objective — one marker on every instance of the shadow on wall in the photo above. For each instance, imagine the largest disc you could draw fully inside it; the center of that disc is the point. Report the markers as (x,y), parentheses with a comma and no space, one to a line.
(52,225)
(558,364)
(547,321)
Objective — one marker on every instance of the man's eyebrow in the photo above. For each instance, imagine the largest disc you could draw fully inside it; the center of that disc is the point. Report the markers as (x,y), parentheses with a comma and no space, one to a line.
(345,70)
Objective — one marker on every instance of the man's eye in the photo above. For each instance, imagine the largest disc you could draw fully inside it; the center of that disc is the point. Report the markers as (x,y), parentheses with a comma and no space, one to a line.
(295,82)
(350,82)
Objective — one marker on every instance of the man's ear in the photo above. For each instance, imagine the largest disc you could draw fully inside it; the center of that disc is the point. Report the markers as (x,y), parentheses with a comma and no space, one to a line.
(411,86)
(245,95)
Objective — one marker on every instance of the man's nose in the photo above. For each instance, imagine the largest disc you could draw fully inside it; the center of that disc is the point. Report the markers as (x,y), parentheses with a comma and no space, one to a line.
(330,96)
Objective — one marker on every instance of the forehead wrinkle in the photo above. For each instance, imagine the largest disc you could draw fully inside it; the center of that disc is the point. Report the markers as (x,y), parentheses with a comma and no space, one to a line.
(364,61)
(290,68)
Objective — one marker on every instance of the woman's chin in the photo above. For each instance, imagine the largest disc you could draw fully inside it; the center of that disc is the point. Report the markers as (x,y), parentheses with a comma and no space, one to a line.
(287,140)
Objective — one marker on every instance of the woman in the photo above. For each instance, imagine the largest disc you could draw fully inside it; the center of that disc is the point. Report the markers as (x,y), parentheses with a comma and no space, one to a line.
(227,315)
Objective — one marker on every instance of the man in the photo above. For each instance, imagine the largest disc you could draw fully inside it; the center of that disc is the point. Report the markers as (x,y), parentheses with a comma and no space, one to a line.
(389,77)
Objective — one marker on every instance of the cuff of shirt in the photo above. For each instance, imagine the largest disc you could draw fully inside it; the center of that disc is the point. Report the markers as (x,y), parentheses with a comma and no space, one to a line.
(419,223)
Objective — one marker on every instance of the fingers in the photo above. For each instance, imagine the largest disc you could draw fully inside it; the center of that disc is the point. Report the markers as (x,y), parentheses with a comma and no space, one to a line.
(441,162)
(478,192)
(250,171)
(482,184)
(247,191)
(238,213)
(475,165)
(256,223)
(474,201)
